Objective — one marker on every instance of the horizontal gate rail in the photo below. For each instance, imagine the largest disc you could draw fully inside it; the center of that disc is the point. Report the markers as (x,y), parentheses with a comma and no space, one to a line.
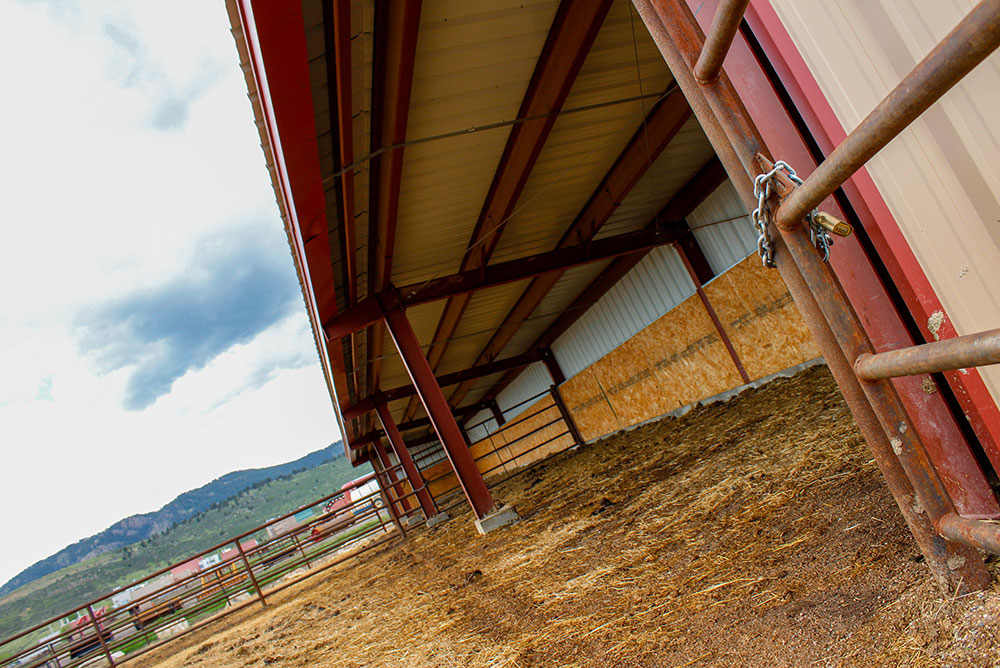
(176,605)
(961,352)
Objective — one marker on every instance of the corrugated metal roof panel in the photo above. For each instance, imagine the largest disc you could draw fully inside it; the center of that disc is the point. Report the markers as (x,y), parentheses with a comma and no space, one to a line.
(473,63)
(687,152)
(583,146)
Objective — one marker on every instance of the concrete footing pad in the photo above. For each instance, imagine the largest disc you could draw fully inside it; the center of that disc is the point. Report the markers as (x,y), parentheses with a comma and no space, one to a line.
(498,518)
(440,518)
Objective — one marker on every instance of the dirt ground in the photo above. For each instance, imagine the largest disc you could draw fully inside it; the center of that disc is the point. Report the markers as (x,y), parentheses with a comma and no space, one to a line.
(754,533)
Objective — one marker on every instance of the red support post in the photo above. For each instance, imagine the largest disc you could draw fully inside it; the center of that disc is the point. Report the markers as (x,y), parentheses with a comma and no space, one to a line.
(438,410)
(383,489)
(412,472)
(567,417)
(497,413)
(394,482)
(711,313)
(553,367)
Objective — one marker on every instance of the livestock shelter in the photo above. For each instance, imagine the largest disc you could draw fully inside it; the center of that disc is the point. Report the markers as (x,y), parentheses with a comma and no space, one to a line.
(522,226)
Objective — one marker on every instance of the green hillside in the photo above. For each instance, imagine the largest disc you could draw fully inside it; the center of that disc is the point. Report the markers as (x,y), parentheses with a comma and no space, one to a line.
(135,528)
(63,589)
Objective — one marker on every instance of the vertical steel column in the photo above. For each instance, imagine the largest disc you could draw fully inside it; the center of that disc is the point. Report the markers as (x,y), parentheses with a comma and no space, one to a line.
(253,578)
(552,364)
(412,472)
(737,142)
(381,478)
(497,413)
(100,636)
(394,481)
(438,410)
(711,313)
(566,415)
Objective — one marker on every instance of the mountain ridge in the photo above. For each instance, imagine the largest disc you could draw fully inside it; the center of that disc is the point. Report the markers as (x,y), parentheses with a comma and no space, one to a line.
(136,528)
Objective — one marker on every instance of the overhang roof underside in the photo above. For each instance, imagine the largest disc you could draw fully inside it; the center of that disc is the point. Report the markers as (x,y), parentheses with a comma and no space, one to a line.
(472,67)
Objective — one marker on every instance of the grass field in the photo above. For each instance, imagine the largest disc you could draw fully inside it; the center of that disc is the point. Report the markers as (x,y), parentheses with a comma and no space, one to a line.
(59,592)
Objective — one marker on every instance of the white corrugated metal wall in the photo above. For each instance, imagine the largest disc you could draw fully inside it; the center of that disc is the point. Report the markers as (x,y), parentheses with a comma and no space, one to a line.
(655,286)
(723,228)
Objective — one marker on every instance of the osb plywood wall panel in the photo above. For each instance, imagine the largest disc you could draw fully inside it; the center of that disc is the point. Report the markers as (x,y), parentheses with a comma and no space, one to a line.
(675,361)
(765,327)
(584,396)
(437,484)
(680,358)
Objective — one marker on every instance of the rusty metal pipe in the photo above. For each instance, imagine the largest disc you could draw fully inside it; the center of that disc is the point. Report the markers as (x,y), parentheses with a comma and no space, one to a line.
(971,350)
(736,140)
(720,36)
(974,38)
(253,578)
(974,533)
(100,635)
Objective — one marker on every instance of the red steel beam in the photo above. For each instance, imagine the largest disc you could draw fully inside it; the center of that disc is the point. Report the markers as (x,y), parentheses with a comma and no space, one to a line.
(570,39)
(397,24)
(694,192)
(438,410)
(276,46)
(339,55)
(661,125)
(367,311)
(394,482)
(367,404)
(412,472)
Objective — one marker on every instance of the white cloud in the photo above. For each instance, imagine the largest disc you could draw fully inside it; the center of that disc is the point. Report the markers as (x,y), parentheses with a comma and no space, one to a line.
(130,144)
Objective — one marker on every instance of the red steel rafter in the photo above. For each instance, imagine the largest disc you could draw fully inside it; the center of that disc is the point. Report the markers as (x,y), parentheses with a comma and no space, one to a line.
(661,125)
(570,38)
(703,184)
(367,311)
(367,404)
(397,24)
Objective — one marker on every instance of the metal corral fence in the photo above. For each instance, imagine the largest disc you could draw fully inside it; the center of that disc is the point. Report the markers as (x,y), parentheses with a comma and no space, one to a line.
(504,453)
(216,582)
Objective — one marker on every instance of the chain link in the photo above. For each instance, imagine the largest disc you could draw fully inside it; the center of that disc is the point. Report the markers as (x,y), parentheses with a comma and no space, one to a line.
(762,215)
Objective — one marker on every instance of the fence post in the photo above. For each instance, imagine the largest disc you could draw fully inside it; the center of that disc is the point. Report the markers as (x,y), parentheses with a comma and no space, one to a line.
(298,544)
(566,415)
(384,485)
(253,578)
(100,636)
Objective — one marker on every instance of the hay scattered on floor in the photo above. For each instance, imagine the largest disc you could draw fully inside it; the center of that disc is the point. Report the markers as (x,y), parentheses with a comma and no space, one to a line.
(756,532)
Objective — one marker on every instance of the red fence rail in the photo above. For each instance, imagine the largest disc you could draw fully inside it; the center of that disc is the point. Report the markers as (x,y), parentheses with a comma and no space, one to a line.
(242,571)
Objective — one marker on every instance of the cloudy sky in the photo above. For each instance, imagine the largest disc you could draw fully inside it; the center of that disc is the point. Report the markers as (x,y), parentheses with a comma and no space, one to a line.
(152,334)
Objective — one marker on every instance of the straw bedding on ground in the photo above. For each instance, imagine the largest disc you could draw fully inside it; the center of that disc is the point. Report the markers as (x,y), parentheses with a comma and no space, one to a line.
(755,532)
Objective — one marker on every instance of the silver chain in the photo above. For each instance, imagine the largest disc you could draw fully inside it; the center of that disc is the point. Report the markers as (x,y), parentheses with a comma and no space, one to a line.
(762,215)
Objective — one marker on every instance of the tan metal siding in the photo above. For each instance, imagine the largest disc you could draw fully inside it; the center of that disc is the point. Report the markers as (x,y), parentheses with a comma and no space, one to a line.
(941,177)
